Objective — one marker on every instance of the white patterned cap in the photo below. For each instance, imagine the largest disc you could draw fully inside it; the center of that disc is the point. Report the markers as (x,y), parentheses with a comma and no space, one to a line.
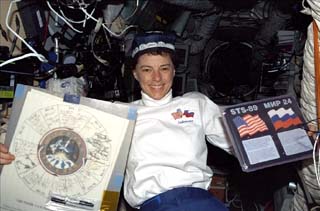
(150,41)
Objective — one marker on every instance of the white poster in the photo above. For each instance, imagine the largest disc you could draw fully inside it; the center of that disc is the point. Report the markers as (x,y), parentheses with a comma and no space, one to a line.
(61,148)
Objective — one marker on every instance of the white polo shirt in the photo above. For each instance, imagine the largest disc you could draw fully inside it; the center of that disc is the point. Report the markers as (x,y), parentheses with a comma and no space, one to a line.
(169,149)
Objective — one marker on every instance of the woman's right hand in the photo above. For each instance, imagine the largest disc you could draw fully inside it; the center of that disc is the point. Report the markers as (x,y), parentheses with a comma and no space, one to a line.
(5,156)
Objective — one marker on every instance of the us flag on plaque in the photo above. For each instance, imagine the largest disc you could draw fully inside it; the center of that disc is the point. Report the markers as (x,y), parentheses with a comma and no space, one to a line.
(249,124)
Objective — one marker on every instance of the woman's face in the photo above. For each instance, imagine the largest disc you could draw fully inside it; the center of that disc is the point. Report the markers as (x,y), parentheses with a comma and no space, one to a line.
(155,74)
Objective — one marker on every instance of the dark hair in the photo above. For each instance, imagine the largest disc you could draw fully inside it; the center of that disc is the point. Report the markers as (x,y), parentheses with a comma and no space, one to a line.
(132,62)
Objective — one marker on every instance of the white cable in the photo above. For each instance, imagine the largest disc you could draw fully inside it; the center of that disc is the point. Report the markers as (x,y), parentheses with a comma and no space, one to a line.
(92,37)
(316,163)
(35,53)
(73,21)
(134,12)
(104,25)
(70,20)
(84,22)
(62,18)
(19,58)
(79,4)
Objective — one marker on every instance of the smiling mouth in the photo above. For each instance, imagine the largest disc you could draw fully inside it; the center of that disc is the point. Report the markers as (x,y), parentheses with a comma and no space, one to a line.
(156,86)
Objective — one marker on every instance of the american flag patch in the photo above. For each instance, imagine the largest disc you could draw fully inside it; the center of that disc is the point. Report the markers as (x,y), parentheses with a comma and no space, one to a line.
(249,125)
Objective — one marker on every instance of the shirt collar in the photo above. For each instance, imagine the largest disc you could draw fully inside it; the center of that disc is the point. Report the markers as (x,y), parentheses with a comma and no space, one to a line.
(148,101)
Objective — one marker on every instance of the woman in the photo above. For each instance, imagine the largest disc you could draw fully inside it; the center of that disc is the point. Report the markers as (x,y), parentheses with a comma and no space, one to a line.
(166,169)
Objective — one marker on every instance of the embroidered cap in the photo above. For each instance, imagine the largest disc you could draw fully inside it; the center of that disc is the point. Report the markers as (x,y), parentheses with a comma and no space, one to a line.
(149,41)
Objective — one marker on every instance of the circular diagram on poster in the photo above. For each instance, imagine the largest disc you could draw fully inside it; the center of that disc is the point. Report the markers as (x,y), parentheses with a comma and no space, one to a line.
(62,149)
(62,152)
